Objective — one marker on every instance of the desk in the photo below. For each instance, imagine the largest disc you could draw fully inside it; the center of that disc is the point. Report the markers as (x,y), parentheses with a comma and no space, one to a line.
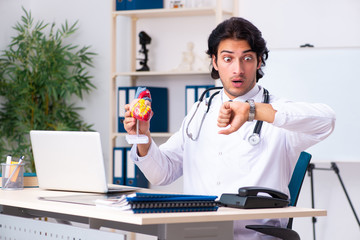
(171,226)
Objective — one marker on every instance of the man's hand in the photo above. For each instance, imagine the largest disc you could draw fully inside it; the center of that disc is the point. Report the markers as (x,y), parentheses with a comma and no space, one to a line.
(144,128)
(130,121)
(234,114)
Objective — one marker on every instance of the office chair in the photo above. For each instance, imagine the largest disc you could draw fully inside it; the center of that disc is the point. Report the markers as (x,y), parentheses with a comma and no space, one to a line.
(295,184)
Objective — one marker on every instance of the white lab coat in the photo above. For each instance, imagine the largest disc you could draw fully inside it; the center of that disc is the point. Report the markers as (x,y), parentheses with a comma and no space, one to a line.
(216,164)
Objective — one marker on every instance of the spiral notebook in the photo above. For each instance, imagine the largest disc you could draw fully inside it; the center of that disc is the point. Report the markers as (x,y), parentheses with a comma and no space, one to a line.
(160,203)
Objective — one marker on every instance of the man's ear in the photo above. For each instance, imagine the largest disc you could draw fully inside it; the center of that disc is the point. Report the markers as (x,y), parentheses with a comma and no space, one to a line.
(214,62)
(259,63)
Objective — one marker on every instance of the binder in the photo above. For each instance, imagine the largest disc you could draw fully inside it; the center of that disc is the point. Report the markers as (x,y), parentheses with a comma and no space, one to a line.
(159,122)
(193,93)
(118,163)
(172,204)
(160,203)
(152,197)
(134,176)
(120,5)
(172,210)
(143,4)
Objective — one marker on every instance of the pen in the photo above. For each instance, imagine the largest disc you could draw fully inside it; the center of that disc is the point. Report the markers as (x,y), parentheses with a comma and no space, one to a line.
(12,174)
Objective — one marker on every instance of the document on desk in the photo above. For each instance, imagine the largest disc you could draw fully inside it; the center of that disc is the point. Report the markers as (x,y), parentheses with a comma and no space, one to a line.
(84,199)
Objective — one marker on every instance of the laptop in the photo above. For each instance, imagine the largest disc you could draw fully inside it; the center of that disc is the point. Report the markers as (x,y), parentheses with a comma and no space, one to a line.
(71,161)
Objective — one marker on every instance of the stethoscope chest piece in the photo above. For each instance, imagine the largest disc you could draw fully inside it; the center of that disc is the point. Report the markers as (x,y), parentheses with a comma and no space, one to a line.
(254,139)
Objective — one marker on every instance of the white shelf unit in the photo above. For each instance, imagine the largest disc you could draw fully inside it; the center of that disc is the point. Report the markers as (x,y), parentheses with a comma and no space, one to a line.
(217,11)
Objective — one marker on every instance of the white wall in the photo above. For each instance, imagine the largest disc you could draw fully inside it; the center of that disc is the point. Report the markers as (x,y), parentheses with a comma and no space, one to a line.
(284,24)
(94,30)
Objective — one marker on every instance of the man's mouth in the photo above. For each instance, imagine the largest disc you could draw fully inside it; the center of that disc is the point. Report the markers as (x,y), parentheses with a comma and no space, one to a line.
(237,82)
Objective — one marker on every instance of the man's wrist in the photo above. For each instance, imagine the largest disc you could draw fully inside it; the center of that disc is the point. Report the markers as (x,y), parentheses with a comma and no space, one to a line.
(251,110)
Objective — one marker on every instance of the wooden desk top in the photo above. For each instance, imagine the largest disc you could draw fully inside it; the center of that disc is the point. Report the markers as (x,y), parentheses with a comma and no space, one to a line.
(29,199)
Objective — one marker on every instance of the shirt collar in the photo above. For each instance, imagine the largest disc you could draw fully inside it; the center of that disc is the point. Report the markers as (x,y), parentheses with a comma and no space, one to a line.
(251,94)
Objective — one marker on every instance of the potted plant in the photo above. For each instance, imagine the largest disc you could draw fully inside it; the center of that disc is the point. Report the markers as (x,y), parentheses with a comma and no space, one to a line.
(40,77)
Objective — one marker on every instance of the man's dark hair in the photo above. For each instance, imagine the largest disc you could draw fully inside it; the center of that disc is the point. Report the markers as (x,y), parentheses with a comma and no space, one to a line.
(238,29)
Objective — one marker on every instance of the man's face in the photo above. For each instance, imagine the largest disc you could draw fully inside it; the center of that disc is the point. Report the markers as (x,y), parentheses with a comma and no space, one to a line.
(237,65)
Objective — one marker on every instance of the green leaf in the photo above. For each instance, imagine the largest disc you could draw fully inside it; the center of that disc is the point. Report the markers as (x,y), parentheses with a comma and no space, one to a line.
(39,77)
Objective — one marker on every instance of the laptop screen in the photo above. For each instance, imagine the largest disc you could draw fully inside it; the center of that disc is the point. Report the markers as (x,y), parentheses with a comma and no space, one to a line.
(69,160)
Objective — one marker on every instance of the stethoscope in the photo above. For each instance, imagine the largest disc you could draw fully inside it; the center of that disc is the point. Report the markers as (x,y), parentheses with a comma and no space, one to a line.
(253,139)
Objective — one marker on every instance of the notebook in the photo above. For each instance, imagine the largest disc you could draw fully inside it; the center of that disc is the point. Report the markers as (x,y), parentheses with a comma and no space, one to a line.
(71,161)
(160,203)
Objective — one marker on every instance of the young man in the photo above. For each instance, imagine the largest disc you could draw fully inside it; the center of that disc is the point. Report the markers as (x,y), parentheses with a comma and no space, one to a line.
(217,153)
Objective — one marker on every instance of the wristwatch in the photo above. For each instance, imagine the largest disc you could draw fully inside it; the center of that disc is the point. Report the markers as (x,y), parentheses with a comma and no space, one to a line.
(252,110)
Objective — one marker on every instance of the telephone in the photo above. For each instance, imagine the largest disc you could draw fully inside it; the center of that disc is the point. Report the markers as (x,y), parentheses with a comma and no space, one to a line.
(248,197)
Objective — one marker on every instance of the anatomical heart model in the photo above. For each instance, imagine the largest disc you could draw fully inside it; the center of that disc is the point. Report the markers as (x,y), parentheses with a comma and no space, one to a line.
(140,109)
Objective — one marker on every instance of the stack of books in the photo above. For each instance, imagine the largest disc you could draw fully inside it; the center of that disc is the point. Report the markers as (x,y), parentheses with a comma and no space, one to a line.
(160,203)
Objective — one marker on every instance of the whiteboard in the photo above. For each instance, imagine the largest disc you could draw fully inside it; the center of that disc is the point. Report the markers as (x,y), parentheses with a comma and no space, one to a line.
(326,75)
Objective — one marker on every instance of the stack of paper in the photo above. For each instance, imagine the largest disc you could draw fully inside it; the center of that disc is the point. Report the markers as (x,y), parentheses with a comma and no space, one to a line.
(158,203)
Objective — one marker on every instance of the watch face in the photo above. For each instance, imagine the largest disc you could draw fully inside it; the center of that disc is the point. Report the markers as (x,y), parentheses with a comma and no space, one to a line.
(254,139)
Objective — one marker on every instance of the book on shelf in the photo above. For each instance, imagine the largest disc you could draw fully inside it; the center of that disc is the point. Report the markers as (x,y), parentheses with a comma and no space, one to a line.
(160,203)
(122,5)
(125,172)
(193,93)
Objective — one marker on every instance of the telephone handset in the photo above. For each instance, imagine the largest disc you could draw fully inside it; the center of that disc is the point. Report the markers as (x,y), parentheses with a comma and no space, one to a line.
(253,191)
(254,197)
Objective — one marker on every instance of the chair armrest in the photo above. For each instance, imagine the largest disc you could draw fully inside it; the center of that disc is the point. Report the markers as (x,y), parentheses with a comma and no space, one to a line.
(282,233)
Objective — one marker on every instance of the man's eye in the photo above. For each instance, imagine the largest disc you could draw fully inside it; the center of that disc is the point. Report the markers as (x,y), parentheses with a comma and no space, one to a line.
(227,59)
(248,58)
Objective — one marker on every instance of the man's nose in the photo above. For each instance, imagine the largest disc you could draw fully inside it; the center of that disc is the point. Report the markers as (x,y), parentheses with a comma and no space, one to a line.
(238,67)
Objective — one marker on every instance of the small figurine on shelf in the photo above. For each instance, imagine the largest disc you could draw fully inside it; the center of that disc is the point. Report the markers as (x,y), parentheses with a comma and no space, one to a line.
(188,58)
(177,4)
(144,39)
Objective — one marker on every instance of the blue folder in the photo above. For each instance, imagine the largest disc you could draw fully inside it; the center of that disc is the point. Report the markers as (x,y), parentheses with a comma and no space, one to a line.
(125,172)
(138,4)
(139,196)
(193,93)
(134,176)
(119,155)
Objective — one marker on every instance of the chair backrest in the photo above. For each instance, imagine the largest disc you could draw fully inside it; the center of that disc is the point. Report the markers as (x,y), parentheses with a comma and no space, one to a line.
(298,177)
(297,180)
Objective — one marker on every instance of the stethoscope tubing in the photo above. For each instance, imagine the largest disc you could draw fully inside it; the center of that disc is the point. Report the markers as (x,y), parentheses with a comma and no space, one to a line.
(254,138)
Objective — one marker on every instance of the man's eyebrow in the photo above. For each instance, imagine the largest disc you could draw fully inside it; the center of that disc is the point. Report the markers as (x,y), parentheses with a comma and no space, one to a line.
(249,50)
(226,51)
(245,51)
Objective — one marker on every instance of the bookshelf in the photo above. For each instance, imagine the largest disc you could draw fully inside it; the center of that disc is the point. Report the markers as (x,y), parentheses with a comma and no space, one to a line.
(217,11)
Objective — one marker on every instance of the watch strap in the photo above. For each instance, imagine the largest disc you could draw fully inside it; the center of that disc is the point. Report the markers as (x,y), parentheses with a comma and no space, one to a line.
(252,110)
